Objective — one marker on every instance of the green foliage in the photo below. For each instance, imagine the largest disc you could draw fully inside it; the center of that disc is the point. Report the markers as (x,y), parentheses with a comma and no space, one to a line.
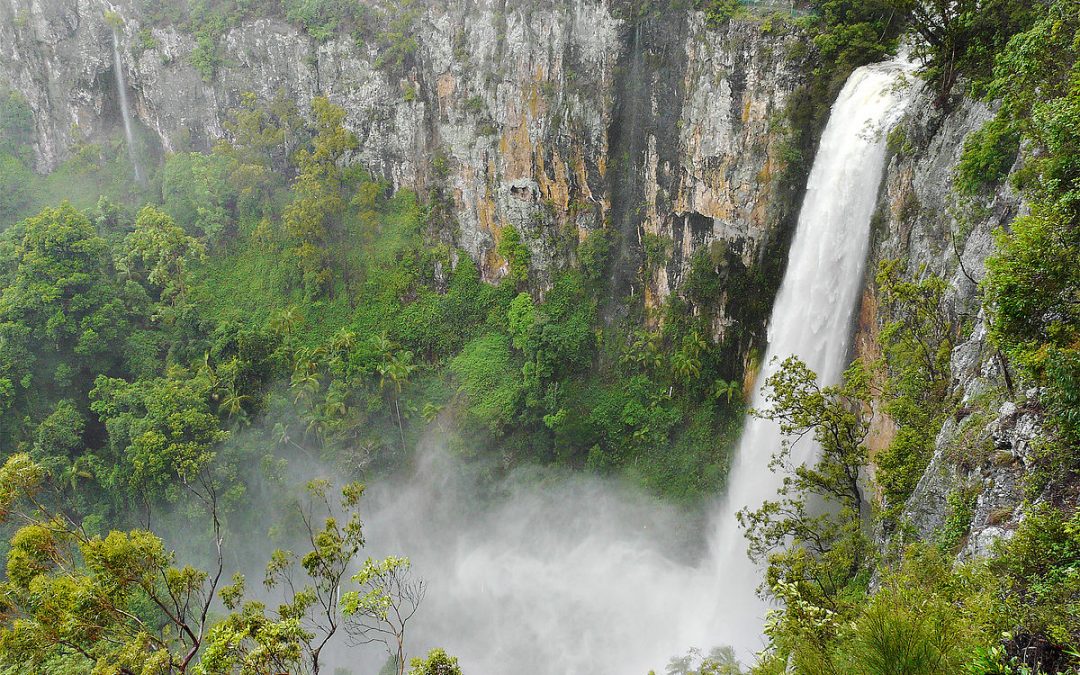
(720,661)
(656,249)
(162,432)
(487,374)
(263,137)
(321,18)
(16,126)
(516,254)
(313,218)
(206,57)
(989,154)
(960,508)
(197,194)
(925,619)
(717,12)
(963,38)
(159,254)
(62,314)
(850,33)
(119,603)
(102,598)
(898,142)
(15,185)
(1032,280)
(387,598)
(438,662)
(396,33)
(1038,568)
(818,558)
(916,340)
(594,257)
(1032,285)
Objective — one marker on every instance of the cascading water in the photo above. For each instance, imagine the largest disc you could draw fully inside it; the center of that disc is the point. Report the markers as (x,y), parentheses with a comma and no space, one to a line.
(566,575)
(125,109)
(812,317)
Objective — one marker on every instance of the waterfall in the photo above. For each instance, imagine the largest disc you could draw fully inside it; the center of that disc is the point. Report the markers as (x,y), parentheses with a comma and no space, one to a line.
(558,575)
(813,314)
(125,109)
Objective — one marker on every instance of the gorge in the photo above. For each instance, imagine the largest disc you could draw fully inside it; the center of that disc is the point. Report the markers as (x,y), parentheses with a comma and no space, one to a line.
(524,268)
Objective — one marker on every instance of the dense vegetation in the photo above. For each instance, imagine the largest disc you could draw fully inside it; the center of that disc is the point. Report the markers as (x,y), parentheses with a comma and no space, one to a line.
(178,343)
(182,343)
(1017,611)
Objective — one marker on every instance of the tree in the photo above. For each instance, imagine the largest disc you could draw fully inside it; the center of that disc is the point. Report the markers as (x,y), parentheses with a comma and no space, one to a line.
(811,537)
(1032,278)
(381,609)
(850,33)
(962,37)
(263,135)
(160,253)
(438,662)
(313,218)
(396,368)
(161,432)
(686,361)
(16,126)
(320,600)
(728,390)
(917,340)
(117,601)
(316,604)
(485,372)
(61,316)
(198,194)
(720,661)
(15,181)
(517,255)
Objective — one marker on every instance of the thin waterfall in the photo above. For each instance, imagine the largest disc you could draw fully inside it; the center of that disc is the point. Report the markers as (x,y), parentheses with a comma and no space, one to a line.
(813,314)
(125,109)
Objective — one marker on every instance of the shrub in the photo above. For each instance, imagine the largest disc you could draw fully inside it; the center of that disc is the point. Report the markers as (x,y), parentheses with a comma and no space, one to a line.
(989,153)
(486,374)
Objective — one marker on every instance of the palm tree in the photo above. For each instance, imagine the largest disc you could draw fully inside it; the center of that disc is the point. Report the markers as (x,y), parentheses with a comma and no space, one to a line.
(725,389)
(209,372)
(233,402)
(644,351)
(397,368)
(305,382)
(344,340)
(341,345)
(287,321)
(331,413)
(685,366)
(693,344)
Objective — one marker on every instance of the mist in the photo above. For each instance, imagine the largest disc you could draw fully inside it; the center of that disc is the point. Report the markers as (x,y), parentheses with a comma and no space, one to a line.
(546,572)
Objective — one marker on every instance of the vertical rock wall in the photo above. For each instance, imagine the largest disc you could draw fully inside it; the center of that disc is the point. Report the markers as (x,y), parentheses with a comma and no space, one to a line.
(557,118)
(981,450)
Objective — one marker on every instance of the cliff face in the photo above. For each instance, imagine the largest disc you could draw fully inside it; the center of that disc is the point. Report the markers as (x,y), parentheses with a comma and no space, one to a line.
(557,118)
(982,450)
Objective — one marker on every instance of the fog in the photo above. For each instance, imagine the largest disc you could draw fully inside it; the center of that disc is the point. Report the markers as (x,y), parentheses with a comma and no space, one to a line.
(547,572)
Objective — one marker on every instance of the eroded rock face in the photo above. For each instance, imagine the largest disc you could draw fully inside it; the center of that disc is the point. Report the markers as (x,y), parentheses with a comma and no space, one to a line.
(520,105)
(982,450)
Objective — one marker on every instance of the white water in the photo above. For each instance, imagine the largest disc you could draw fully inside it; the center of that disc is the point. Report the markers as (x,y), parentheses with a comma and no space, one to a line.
(813,314)
(125,109)
(571,575)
